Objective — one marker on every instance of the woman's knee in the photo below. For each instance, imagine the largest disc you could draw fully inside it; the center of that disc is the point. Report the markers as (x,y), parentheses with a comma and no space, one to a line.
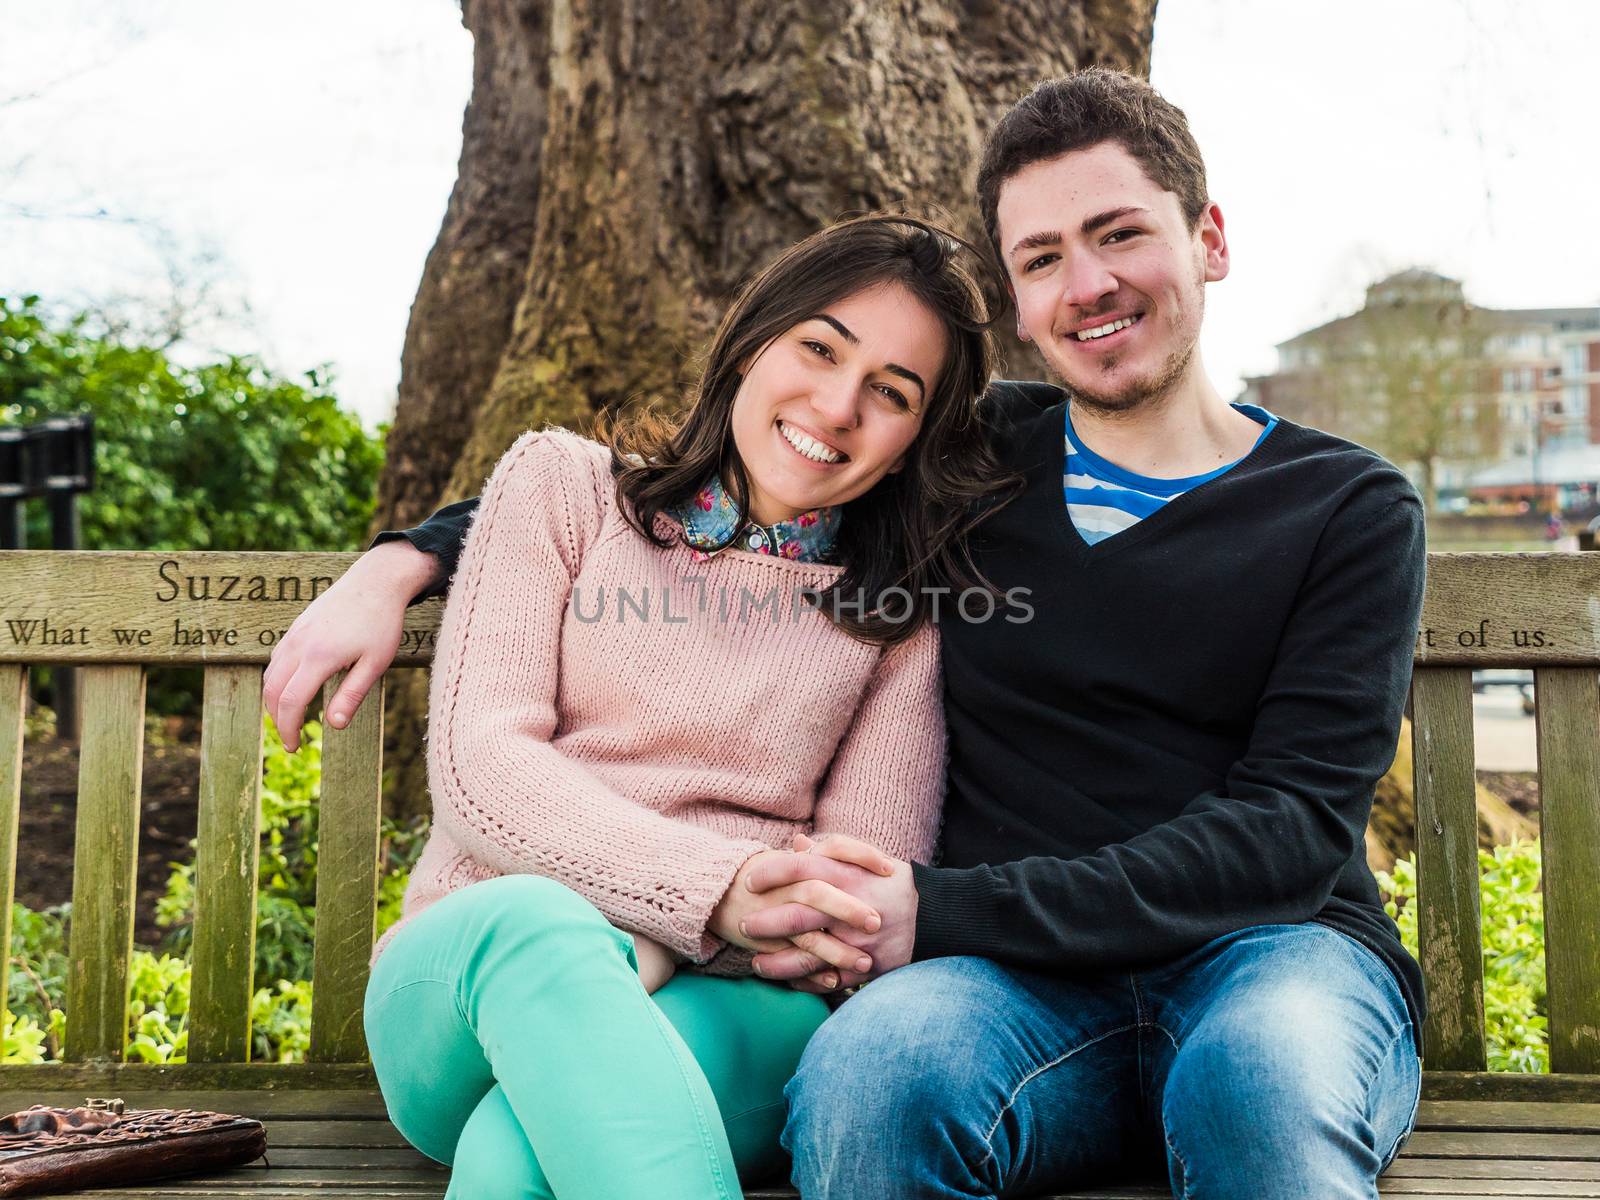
(520,897)
(514,915)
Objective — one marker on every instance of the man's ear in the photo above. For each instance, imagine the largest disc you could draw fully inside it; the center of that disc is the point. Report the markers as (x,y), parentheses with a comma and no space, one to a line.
(1214,243)
(1011,293)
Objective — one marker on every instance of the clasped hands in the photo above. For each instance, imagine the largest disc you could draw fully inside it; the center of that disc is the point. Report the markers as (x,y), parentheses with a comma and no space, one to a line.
(833,912)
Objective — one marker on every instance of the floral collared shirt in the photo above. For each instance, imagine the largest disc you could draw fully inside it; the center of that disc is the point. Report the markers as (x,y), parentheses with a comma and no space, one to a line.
(710,517)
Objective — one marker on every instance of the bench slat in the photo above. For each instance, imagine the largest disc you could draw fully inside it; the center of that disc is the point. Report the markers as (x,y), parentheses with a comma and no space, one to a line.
(1449,924)
(104,861)
(1568,704)
(13,699)
(226,865)
(347,877)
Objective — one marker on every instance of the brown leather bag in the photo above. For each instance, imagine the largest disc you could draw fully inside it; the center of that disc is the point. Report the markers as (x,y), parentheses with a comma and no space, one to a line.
(62,1149)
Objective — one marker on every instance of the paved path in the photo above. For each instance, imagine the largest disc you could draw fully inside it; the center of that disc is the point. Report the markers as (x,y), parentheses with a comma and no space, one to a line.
(1503,734)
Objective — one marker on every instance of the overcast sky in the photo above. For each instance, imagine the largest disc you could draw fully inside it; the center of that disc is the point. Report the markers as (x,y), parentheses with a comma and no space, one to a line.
(294,159)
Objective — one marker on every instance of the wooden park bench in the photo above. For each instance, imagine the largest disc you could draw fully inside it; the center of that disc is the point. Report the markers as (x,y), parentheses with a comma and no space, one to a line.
(113,615)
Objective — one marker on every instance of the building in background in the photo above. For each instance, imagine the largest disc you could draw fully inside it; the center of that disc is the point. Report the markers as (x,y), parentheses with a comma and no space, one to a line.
(1497,403)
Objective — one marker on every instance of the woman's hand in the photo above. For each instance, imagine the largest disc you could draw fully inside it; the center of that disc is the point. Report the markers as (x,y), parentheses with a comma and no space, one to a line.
(656,964)
(812,903)
(357,624)
(823,979)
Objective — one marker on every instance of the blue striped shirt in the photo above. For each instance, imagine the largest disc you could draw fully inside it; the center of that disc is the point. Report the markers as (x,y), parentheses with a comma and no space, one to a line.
(1103,498)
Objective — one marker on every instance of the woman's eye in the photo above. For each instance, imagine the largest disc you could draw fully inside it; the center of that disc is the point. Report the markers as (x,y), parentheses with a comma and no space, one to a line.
(818,348)
(894,395)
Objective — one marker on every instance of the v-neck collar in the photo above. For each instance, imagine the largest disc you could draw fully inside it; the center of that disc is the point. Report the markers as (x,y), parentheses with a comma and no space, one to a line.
(1053,425)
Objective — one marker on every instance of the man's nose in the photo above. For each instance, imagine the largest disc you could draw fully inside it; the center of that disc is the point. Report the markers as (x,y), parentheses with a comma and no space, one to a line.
(1088,282)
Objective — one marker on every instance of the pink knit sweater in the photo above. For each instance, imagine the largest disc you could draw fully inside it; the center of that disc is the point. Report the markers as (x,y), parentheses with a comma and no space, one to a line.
(641,759)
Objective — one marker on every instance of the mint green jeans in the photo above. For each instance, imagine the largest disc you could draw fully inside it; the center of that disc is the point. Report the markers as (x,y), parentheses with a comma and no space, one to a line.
(513,1040)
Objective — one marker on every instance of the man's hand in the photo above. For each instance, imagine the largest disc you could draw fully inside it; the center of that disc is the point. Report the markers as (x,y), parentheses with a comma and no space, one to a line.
(809,904)
(356,624)
(856,868)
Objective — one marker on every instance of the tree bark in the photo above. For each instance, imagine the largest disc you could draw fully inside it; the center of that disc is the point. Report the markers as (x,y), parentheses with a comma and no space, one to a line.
(625,164)
(473,277)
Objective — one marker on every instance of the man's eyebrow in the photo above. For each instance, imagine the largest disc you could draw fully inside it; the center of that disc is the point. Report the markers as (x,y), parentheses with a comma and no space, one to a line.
(1052,237)
(1090,224)
(1033,241)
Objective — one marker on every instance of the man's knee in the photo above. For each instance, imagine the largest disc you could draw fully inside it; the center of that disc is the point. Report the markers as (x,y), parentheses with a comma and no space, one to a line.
(889,1089)
(1284,1090)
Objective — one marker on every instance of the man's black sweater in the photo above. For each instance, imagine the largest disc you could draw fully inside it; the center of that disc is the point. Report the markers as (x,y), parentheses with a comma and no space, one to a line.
(1184,738)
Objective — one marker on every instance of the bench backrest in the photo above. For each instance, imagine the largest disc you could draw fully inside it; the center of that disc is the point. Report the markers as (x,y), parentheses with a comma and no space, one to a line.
(115,614)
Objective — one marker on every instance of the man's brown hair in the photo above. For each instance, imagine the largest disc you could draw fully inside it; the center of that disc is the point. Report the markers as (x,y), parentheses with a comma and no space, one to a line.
(1084,109)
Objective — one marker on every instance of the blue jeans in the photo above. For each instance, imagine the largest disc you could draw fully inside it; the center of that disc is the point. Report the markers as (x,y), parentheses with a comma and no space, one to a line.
(1275,1062)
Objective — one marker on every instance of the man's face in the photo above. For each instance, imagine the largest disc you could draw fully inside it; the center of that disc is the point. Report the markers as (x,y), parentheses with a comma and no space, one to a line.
(1093,246)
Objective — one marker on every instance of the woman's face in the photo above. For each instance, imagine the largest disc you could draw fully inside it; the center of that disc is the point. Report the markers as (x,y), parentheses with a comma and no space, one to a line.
(829,407)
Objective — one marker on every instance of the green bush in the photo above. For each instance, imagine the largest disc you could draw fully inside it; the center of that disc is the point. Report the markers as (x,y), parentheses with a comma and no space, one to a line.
(158,1003)
(223,456)
(1516,1015)
(286,895)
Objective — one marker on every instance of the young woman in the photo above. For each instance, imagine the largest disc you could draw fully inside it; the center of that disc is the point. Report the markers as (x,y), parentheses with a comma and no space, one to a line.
(662,658)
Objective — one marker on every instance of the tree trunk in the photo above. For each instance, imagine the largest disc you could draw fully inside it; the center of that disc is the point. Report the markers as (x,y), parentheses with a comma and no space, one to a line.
(625,164)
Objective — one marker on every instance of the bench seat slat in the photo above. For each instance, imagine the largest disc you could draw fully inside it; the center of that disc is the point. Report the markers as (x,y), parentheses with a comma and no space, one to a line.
(366,1156)
(104,861)
(347,877)
(1568,707)
(1407,1167)
(1449,925)
(226,865)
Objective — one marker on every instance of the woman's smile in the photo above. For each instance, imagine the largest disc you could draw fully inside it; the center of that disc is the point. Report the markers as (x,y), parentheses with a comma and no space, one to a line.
(814,450)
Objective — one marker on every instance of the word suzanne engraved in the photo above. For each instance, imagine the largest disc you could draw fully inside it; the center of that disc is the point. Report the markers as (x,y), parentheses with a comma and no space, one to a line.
(199,587)
(173,587)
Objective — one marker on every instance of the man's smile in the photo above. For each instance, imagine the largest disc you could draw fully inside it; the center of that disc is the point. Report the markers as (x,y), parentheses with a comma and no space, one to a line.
(1104,333)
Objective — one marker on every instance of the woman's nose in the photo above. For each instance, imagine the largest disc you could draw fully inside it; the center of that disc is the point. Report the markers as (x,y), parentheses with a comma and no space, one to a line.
(837,404)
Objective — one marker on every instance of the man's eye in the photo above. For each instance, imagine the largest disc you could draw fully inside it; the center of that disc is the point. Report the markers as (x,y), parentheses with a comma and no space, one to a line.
(1042,260)
(818,348)
(1122,235)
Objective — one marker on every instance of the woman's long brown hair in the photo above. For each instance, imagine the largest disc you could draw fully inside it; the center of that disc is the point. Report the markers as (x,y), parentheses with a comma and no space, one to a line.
(909,531)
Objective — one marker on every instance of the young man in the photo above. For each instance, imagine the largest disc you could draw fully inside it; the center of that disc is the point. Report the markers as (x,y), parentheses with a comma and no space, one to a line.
(1151,935)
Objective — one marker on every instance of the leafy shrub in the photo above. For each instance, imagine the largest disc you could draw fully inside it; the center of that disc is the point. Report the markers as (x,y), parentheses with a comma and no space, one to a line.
(222,456)
(286,896)
(1516,1014)
(158,1004)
